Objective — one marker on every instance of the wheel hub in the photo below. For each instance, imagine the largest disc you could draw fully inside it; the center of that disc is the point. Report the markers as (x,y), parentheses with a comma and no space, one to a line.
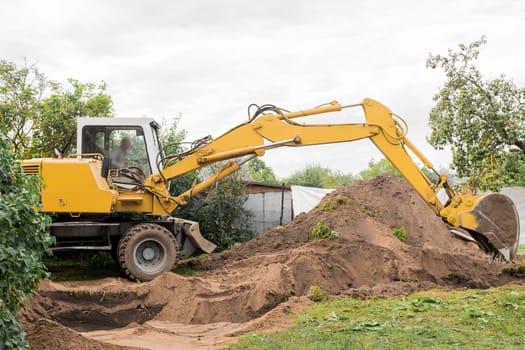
(148,254)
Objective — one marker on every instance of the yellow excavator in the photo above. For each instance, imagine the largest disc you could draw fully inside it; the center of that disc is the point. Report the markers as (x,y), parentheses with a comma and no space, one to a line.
(97,203)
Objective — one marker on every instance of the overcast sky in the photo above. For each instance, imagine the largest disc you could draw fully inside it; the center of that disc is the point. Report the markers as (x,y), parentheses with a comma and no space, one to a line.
(208,60)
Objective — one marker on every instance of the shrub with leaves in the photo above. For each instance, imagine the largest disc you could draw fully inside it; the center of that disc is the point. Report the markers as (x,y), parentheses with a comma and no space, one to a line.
(334,203)
(322,231)
(220,212)
(23,242)
(317,294)
(401,233)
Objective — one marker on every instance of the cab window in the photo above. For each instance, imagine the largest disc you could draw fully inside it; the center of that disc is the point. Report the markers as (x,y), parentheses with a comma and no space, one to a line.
(123,146)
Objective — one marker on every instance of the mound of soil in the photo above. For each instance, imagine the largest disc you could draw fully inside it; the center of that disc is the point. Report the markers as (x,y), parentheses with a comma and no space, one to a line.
(48,335)
(240,289)
(366,251)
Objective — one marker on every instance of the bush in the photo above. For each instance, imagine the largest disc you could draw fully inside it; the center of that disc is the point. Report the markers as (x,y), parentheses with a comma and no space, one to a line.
(316,294)
(221,216)
(401,233)
(333,203)
(322,231)
(23,242)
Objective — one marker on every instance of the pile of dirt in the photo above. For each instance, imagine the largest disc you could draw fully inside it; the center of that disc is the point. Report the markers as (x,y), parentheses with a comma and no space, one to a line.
(366,251)
(48,335)
(239,290)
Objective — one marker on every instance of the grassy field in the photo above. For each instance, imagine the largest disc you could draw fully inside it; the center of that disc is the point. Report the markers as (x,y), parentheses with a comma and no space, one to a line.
(471,319)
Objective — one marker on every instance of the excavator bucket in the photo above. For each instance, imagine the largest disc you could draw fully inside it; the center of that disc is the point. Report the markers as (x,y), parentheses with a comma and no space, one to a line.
(494,223)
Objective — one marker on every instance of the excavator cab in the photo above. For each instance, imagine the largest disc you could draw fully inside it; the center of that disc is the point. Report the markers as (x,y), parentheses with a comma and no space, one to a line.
(105,136)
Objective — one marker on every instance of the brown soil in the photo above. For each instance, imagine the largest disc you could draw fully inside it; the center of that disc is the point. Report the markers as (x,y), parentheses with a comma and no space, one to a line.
(255,285)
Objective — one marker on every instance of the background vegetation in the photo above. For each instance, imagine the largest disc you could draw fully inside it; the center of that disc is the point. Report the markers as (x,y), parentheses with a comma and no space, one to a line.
(23,242)
(481,120)
(40,114)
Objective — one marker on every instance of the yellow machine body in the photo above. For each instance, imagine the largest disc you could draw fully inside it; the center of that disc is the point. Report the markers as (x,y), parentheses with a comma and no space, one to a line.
(73,186)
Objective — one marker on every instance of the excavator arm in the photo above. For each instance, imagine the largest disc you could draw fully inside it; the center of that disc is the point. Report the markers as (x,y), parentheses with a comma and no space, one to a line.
(491,220)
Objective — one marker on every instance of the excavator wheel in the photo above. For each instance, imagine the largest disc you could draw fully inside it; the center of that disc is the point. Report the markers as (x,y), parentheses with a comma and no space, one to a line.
(498,225)
(145,251)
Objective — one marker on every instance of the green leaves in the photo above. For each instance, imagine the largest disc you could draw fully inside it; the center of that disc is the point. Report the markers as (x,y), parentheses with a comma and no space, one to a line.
(23,242)
(40,114)
(317,176)
(377,168)
(260,172)
(322,231)
(482,121)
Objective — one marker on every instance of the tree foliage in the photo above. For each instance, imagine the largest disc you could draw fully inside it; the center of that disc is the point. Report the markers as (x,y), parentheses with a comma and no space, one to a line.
(481,120)
(40,114)
(220,212)
(377,168)
(172,142)
(23,242)
(260,172)
(172,138)
(382,166)
(317,176)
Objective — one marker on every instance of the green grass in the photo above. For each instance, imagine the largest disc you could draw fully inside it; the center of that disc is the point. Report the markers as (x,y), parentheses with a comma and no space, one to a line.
(521,249)
(472,319)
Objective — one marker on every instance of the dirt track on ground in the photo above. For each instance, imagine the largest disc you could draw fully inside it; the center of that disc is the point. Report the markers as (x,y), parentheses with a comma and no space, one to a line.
(257,284)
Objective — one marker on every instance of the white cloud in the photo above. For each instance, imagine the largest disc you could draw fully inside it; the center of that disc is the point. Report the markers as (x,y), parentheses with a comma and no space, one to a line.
(208,60)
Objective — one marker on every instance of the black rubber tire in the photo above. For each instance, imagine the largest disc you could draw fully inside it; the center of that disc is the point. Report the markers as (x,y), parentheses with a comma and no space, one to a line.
(145,251)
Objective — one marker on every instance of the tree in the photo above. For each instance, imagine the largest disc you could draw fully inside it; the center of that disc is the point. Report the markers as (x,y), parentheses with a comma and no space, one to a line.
(311,175)
(172,142)
(481,120)
(317,176)
(377,168)
(56,124)
(220,212)
(21,91)
(260,172)
(23,242)
(40,114)
(172,138)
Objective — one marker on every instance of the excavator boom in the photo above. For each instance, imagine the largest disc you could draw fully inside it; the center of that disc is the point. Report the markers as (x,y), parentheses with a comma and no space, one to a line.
(490,220)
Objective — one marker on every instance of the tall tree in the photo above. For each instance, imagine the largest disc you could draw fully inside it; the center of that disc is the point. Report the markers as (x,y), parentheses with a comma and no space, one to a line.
(21,92)
(481,120)
(56,124)
(40,114)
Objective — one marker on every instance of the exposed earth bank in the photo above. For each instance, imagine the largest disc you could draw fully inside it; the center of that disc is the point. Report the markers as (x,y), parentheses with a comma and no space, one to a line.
(254,286)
